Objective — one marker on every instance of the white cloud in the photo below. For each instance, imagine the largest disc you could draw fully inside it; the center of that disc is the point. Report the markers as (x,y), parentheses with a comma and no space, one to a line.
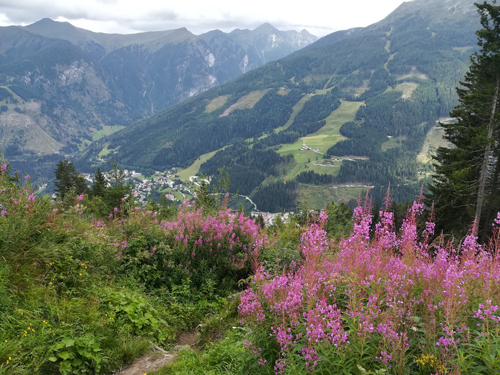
(127,16)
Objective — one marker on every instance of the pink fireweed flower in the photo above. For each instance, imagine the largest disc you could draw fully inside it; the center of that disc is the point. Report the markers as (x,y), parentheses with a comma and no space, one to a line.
(15,201)
(4,167)
(27,177)
(115,209)
(497,220)
(384,283)
(31,198)
(3,212)
(80,197)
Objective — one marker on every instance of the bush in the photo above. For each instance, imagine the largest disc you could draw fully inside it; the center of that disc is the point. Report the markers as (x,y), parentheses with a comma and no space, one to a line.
(209,253)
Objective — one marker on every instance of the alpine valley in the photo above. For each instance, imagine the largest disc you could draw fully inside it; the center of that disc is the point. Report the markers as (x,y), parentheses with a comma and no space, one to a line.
(357,108)
(62,87)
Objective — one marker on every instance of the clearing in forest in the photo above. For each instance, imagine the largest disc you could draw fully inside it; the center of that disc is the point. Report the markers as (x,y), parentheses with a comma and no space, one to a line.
(414,73)
(246,102)
(329,134)
(308,151)
(194,168)
(106,130)
(316,196)
(433,141)
(295,110)
(406,88)
(216,103)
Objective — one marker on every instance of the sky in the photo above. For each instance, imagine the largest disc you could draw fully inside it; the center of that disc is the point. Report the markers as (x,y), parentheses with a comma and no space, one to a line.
(319,17)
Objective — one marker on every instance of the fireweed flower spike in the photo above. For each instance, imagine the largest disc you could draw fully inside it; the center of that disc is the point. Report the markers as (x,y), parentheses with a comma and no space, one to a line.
(374,295)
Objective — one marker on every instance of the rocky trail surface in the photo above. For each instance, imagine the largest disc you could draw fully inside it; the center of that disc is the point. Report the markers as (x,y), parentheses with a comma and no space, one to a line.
(159,357)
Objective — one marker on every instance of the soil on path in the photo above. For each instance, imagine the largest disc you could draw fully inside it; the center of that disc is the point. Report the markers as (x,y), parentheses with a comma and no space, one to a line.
(159,358)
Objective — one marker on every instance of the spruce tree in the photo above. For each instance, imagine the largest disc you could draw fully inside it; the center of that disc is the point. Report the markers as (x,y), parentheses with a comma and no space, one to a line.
(99,186)
(119,189)
(67,178)
(466,180)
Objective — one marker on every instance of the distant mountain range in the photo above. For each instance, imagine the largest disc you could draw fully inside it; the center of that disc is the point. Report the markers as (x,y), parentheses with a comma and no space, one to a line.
(59,84)
(350,110)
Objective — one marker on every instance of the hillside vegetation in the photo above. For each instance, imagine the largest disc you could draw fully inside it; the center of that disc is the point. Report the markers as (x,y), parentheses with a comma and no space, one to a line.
(370,95)
(84,293)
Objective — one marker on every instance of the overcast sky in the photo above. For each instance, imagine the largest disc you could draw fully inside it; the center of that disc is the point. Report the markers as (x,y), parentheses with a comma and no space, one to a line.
(319,17)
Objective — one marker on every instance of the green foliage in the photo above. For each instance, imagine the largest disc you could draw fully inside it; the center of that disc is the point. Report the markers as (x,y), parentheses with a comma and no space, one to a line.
(225,357)
(197,253)
(339,222)
(276,196)
(467,179)
(77,356)
(247,168)
(57,279)
(133,310)
(67,178)
(99,185)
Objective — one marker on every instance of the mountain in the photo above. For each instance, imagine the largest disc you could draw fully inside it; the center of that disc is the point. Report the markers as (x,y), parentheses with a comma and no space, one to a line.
(62,86)
(355,108)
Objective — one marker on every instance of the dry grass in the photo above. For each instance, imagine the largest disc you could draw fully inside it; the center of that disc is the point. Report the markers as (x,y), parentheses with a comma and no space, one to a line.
(246,102)
(433,141)
(406,88)
(216,103)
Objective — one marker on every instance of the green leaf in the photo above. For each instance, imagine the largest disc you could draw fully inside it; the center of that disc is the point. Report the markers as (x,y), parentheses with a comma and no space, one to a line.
(52,359)
(77,362)
(65,368)
(68,342)
(64,355)
(84,353)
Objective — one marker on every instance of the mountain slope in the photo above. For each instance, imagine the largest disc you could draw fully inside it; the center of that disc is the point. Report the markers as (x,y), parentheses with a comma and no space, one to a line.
(81,81)
(401,71)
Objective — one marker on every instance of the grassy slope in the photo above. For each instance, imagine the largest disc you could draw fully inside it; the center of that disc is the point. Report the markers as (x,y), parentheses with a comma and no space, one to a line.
(316,196)
(295,110)
(432,142)
(246,102)
(328,135)
(17,97)
(193,169)
(323,139)
(216,103)
(106,130)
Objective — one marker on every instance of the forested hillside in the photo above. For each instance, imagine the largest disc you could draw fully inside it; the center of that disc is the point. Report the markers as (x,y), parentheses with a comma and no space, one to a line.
(63,87)
(362,100)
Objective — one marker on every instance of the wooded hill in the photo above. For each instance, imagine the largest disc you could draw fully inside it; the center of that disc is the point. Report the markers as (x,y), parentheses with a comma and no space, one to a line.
(371,92)
(61,87)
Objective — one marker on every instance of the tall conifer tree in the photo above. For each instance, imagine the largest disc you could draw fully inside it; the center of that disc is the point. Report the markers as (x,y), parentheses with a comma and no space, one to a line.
(66,178)
(466,180)
(99,186)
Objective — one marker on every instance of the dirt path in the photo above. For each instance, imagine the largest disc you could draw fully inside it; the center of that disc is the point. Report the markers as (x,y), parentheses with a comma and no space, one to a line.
(159,358)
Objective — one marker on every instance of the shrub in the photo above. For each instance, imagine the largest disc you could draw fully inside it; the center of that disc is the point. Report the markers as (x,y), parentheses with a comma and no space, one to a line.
(210,253)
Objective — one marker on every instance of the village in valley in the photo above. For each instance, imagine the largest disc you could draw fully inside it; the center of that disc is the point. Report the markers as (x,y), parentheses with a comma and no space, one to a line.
(144,188)
(176,191)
